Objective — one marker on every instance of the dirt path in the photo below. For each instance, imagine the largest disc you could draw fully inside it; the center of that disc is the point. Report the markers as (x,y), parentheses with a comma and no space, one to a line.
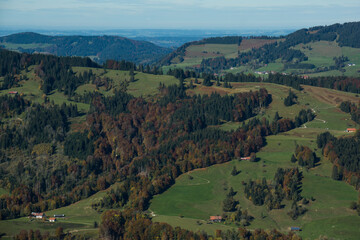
(196,184)
(80,230)
(320,120)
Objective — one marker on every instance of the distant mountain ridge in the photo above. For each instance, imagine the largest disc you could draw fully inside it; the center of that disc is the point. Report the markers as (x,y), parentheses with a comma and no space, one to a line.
(99,48)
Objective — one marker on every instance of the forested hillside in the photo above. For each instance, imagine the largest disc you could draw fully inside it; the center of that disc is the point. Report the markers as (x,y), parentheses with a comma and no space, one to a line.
(99,48)
(52,154)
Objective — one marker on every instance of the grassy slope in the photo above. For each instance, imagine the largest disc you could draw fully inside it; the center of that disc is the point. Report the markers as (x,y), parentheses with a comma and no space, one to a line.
(80,217)
(201,197)
(323,101)
(323,52)
(144,85)
(212,50)
(31,91)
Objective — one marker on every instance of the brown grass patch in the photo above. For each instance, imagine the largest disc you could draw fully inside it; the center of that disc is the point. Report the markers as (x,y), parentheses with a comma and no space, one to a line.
(202,90)
(200,51)
(330,96)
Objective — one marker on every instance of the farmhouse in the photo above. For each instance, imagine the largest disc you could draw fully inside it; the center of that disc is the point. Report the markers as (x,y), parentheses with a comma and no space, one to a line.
(38,215)
(245,158)
(13,92)
(52,219)
(351,130)
(215,219)
(262,73)
(305,77)
(59,215)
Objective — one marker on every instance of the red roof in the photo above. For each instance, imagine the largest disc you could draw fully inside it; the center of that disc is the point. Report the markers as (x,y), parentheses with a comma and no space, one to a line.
(245,158)
(13,92)
(351,129)
(212,218)
(37,214)
(52,219)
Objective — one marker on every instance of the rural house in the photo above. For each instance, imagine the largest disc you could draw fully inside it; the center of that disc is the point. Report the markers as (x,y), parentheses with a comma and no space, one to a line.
(351,130)
(245,158)
(215,219)
(38,215)
(52,219)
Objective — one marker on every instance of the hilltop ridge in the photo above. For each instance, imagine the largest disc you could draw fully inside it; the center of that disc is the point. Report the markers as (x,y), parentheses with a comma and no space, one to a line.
(99,48)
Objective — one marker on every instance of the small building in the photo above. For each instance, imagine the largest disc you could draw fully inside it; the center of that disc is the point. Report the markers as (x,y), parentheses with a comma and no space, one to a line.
(215,219)
(245,158)
(38,215)
(52,219)
(13,92)
(298,229)
(59,215)
(351,130)
(305,77)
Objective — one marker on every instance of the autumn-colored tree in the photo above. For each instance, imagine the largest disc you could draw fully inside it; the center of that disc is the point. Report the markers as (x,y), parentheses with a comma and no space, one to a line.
(112,225)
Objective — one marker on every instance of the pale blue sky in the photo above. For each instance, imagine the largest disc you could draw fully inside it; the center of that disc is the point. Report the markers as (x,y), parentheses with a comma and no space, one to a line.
(176,14)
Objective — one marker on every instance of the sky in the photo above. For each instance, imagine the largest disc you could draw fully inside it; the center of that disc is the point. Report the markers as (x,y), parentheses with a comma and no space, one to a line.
(175,14)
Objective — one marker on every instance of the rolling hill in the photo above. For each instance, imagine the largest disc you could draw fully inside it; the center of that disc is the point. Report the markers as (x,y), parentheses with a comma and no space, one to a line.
(323,50)
(120,149)
(99,48)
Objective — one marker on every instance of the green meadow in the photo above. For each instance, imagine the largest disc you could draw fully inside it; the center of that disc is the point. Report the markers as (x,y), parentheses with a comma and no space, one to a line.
(202,196)
(323,102)
(321,54)
(80,217)
(144,84)
(191,201)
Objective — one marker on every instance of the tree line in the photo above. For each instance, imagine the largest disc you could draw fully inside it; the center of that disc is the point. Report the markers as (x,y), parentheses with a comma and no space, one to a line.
(343,152)
(351,108)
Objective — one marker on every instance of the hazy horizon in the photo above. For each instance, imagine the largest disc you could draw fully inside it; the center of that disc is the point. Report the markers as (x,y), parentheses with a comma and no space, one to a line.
(64,15)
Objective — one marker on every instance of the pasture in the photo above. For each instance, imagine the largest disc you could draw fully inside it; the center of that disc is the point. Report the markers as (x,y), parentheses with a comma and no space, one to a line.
(31,90)
(200,197)
(323,102)
(80,217)
(191,201)
(321,54)
(144,84)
